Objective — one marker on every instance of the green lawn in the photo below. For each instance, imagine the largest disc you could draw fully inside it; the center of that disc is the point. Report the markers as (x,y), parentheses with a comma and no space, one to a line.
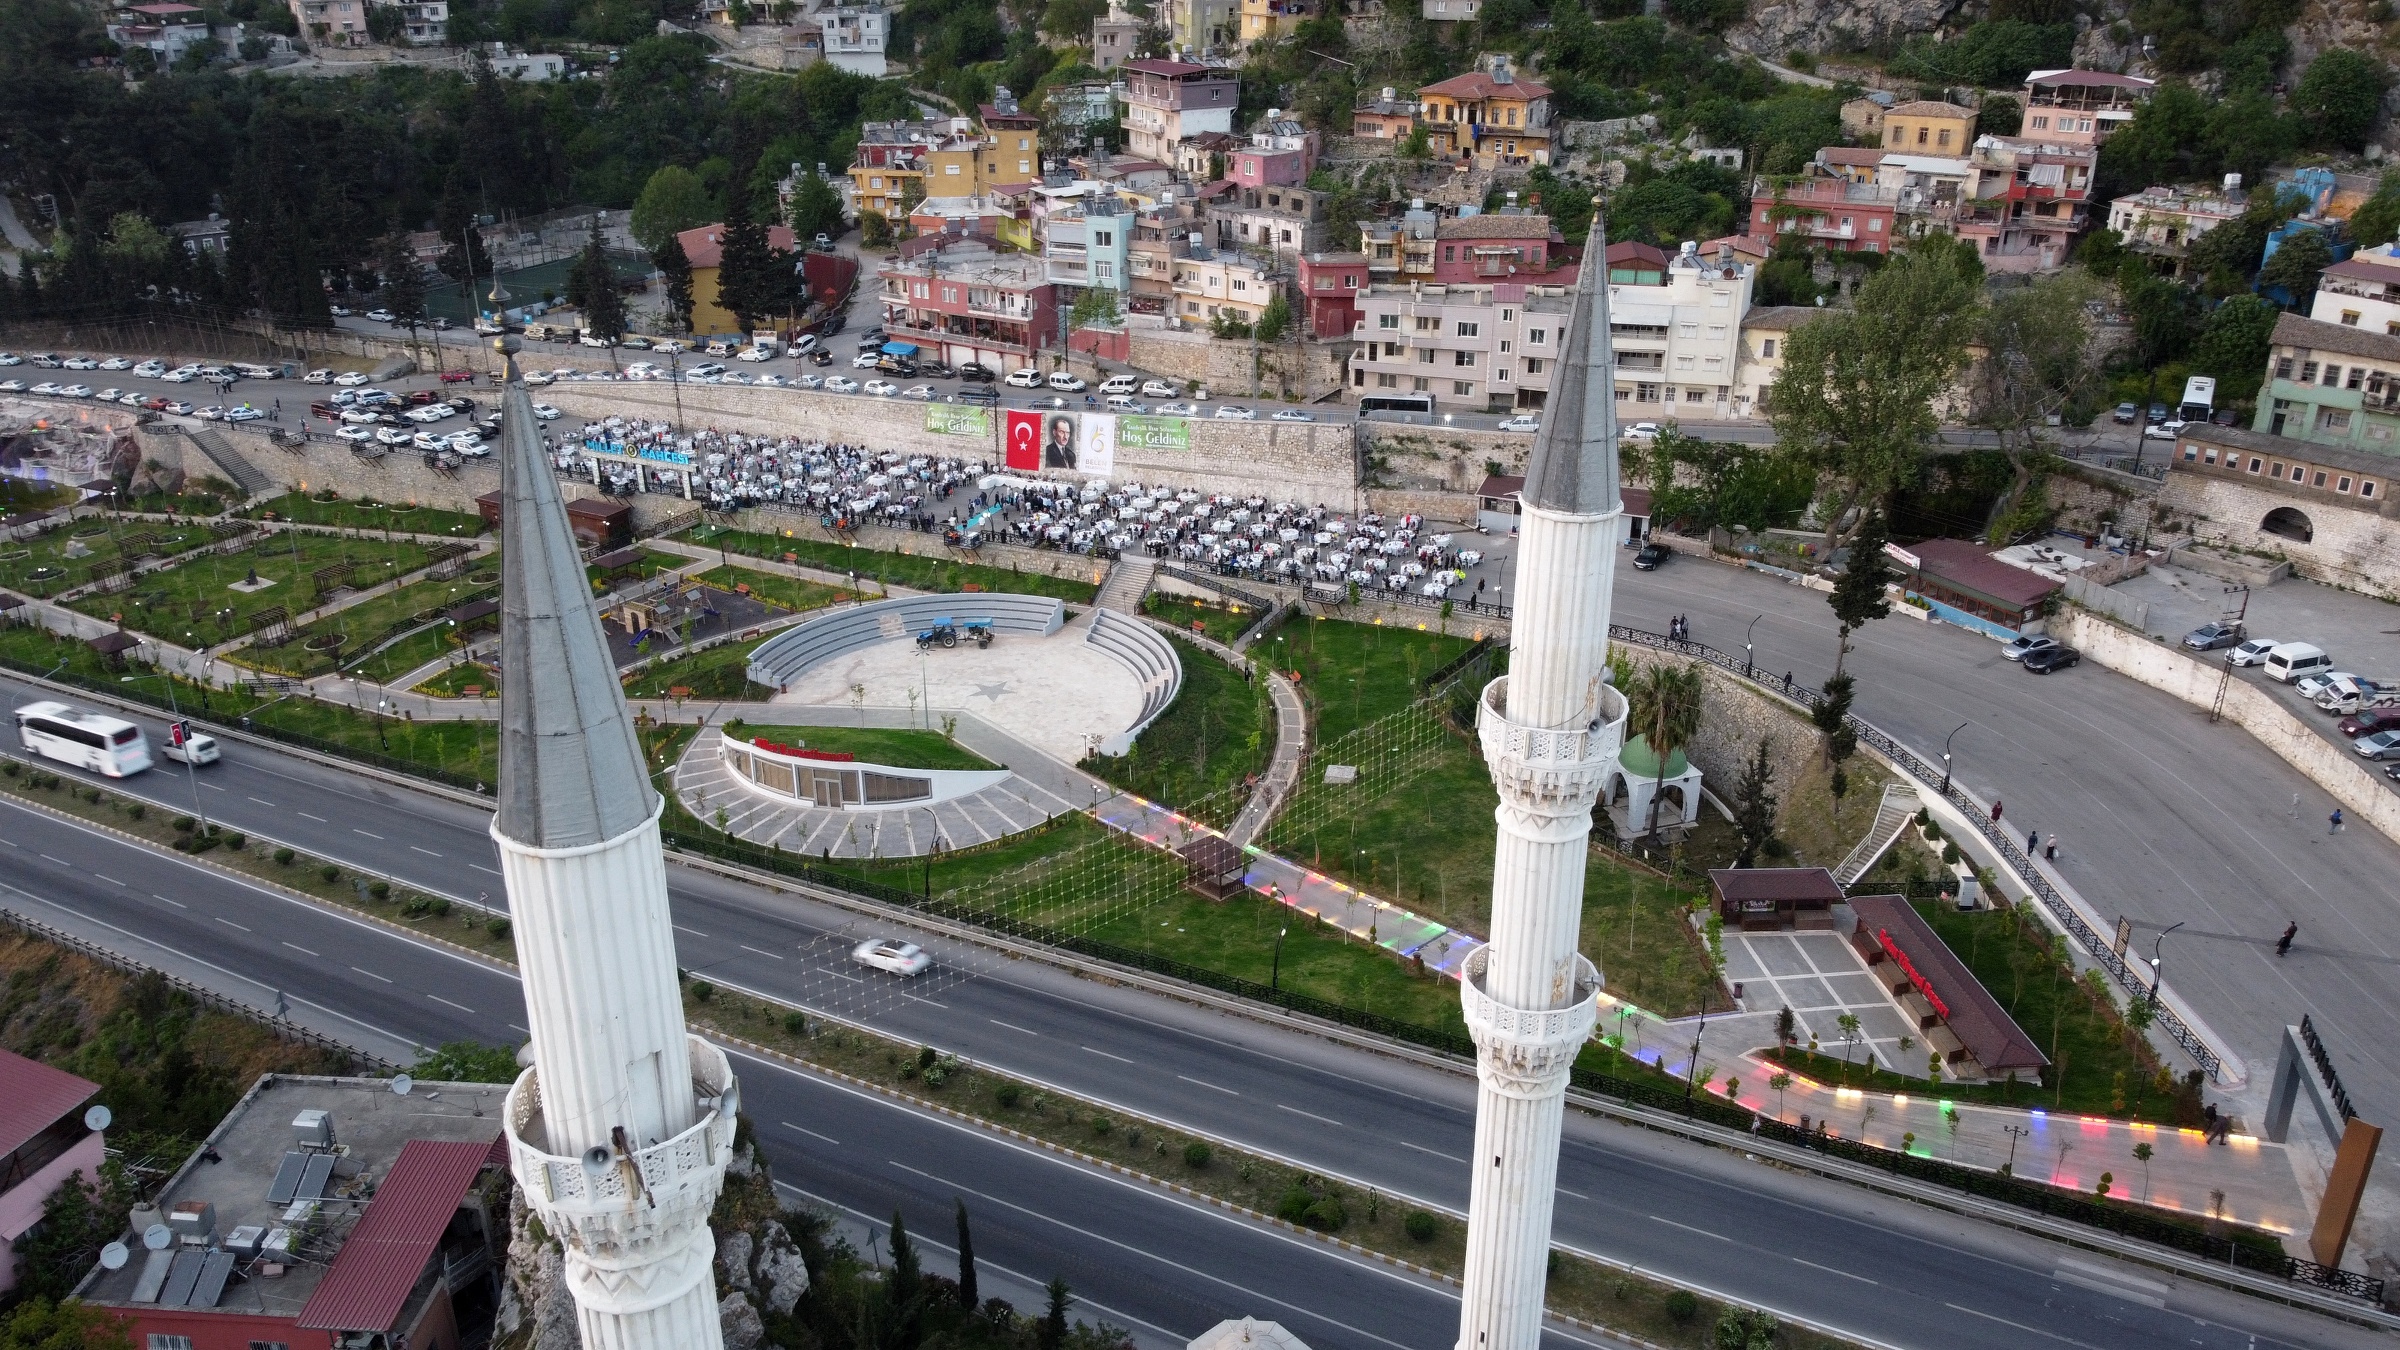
(2099,1067)
(1221,623)
(365,622)
(1355,673)
(400,517)
(1219,730)
(65,557)
(793,593)
(406,655)
(196,604)
(198,498)
(721,672)
(1072,579)
(454,681)
(899,747)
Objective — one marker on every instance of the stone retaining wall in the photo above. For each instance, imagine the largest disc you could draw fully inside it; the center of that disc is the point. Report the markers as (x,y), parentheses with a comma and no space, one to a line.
(2349,547)
(1284,370)
(2326,763)
(1737,716)
(1437,458)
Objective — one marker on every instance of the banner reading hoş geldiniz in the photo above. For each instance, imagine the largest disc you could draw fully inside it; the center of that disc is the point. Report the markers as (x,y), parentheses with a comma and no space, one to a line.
(1069,442)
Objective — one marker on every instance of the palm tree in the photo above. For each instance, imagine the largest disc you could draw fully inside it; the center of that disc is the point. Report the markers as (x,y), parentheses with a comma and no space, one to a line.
(1666,706)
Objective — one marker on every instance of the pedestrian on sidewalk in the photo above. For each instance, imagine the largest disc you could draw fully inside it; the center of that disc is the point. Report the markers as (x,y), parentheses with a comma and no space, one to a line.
(2333,823)
(2032,837)
(2050,850)
(2284,944)
(1995,810)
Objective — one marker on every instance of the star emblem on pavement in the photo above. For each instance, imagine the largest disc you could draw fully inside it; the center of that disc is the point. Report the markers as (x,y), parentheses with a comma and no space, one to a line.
(991,691)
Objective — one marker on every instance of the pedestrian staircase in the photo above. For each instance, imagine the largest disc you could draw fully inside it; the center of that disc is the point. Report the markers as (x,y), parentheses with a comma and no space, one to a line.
(1127,583)
(252,480)
(1892,815)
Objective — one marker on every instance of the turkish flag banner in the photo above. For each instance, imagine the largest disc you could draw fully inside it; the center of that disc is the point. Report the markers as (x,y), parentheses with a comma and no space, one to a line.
(1025,441)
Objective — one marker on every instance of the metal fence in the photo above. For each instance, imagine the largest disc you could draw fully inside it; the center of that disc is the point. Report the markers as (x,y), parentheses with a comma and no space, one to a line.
(2004,846)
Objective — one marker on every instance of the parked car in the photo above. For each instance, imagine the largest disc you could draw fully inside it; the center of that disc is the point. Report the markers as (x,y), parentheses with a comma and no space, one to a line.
(2020,648)
(1292,415)
(804,344)
(75,391)
(393,436)
(2163,431)
(823,243)
(2210,636)
(1641,432)
(882,388)
(244,413)
(2159,413)
(891,956)
(1522,422)
(809,381)
(1119,384)
(1067,383)
(324,376)
(842,384)
(1179,409)
(381,316)
(756,354)
(2126,414)
(354,435)
(2311,687)
(2381,745)
(80,363)
(545,412)
(977,393)
(1650,557)
(1233,413)
(149,370)
(2253,651)
(117,363)
(1157,389)
(2053,657)
(923,392)
(1025,379)
(866,360)
(12,386)
(350,379)
(975,374)
(1126,403)
(2225,417)
(2368,723)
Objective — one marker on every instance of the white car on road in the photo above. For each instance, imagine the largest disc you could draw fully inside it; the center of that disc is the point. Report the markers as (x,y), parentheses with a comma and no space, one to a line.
(1066,383)
(1236,413)
(354,435)
(1025,379)
(892,956)
(1644,432)
(882,388)
(1157,389)
(350,379)
(1522,423)
(842,384)
(545,412)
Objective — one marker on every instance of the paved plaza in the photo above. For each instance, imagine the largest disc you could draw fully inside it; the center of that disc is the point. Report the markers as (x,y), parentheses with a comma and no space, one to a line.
(1820,977)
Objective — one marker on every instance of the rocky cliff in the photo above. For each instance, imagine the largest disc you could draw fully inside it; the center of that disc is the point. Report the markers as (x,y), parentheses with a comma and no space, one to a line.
(1829,27)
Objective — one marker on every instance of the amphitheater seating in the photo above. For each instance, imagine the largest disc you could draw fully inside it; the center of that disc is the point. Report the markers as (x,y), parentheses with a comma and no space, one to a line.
(781,659)
(1151,658)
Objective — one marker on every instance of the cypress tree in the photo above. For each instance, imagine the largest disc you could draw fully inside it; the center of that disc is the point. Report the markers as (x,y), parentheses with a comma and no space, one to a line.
(676,268)
(966,1262)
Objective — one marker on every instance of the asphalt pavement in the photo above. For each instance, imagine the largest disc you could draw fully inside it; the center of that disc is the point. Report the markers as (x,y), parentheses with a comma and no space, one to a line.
(1888,1271)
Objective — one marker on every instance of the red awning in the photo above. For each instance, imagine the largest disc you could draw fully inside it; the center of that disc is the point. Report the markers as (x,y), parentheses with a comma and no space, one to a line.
(368,1286)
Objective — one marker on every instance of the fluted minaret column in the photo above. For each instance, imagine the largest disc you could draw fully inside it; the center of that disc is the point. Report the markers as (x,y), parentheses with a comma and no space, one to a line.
(1550,728)
(620,1131)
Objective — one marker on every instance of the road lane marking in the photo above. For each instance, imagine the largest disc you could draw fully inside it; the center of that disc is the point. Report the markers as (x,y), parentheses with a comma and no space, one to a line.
(1843,1273)
(300,949)
(60,861)
(771,955)
(364,971)
(107,878)
(176,903)
(693,931)
(481,868)
(2103,1284)
(1298,1112)
(319,819)
(1435,1152)
(1689,1229)
(356,830)
(214,788)
(262,801)
(1564,1191)
(1105,1055)
(1011,1026)
(426,851)
(813,1134)
(230,923)
(447,1003)
(2066,1340)
(1197,1082)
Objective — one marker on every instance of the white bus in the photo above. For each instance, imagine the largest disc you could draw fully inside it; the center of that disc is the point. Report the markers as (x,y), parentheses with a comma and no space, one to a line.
(105,745)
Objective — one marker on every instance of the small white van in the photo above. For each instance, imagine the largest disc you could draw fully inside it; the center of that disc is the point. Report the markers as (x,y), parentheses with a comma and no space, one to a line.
(1121,384)
(2296,660)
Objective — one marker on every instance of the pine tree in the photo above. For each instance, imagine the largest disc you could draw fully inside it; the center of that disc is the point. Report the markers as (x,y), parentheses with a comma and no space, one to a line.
(592,287)
(403,281)
(676,269)
(1754,808)
(1858,597)
(1054,1320)
(966,1262)
(816,208)
(903,1288)
(463,258)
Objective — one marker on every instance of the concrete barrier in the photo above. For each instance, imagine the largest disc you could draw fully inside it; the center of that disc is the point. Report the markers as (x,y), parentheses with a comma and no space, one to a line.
(2326,763)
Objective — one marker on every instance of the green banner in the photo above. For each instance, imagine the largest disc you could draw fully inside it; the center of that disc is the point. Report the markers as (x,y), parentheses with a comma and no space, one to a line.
(949,420)
(1154,433)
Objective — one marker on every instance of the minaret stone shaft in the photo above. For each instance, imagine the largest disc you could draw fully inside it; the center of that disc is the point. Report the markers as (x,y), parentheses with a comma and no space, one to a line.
(620,1131)
(1550,728)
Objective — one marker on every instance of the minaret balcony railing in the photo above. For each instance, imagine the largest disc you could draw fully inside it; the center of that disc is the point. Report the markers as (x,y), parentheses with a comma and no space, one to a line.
(1560,769)
(652,1178)
(1527,1052)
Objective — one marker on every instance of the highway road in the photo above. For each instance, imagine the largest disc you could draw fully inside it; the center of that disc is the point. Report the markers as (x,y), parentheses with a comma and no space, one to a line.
(1885,1270)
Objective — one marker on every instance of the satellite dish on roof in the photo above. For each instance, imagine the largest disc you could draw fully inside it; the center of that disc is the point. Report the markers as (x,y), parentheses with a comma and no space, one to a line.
(401,1083)
(114,1256)
(98,1117)
(158,1237)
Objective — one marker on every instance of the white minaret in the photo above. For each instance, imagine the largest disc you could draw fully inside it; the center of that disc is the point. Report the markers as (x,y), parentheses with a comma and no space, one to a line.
(620,1131)
(1550,729)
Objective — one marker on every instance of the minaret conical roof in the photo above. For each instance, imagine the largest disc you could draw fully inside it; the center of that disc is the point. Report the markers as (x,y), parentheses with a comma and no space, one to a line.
(1574,464)
(571,771)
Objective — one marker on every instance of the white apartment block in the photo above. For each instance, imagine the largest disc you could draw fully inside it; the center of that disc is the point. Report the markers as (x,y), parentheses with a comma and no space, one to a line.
(1679,344)
(2361,291)
(1474,348)
(855,39)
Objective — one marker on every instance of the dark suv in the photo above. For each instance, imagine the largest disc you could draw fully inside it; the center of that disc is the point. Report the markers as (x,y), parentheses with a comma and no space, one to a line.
(1651,557)
(977,374)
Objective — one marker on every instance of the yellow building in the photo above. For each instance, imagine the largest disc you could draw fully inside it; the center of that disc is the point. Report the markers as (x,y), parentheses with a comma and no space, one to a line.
(1929,128)
(1218,282)
(1274,18)
(704,248)
(901,163)
(1494,118)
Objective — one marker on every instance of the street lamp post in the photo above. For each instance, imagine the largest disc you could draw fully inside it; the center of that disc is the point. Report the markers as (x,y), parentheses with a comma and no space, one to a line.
(1946,754)
(2158,964)
(1746,646)
(190,769)
(1275,974)
(2015,1133)
(1691,1077)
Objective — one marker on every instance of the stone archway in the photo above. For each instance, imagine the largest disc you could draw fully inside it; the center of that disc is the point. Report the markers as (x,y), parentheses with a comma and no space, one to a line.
(2286,522)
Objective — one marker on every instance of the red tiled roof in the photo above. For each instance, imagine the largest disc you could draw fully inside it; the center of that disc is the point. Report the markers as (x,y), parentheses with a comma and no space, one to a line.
(1974,567)
(1476,84)
(369,1284)
(1850,154)
(705,245)
(1967,1008)
(1635,251)
(33,1096)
